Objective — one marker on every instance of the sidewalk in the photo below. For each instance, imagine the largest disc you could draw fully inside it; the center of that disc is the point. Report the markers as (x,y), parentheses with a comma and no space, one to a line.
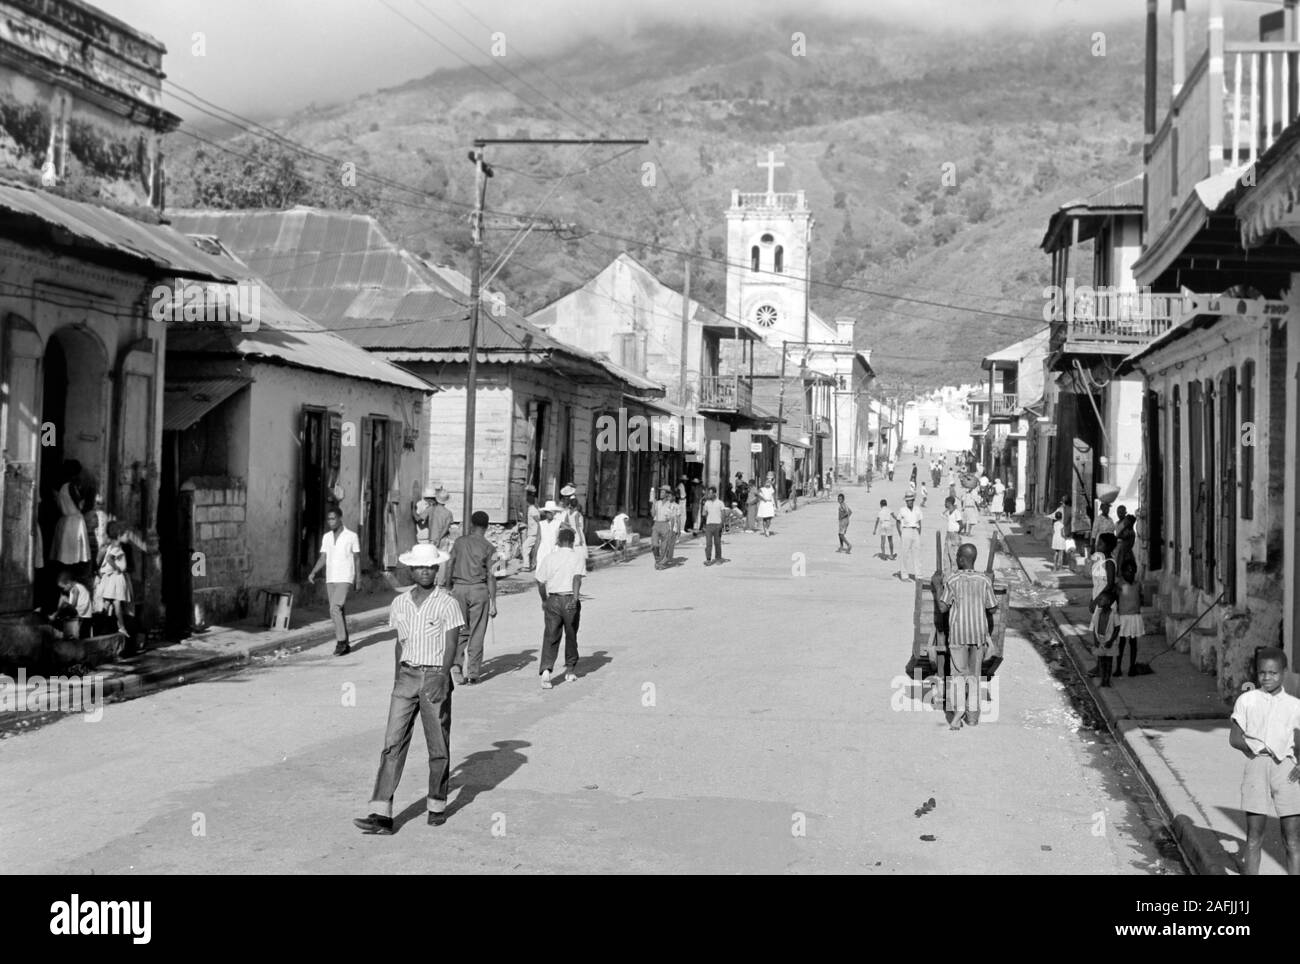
(222,647)
(1171,722)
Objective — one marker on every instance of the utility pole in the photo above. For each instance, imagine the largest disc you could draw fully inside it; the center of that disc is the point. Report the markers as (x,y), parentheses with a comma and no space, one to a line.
(482,171)
(686,327)
(780,422)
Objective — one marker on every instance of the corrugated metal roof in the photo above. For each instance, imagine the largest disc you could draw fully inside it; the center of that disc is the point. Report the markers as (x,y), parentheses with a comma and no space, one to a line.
(90,228)
(285,336)
(339,269)
(186,401)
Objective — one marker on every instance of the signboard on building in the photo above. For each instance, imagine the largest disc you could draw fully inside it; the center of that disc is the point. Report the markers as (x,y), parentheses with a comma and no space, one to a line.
(756,447)
(1251,308)
(1046,428)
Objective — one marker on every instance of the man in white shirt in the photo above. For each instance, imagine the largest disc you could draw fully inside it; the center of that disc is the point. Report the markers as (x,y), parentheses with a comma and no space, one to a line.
(712,510)
(909,531)
(340,557)
(559,583)
(532,531)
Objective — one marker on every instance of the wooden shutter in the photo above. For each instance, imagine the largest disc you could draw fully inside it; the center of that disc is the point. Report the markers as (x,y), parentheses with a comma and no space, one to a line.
(1210,485)
(1247,484)
(1176,489)
(1229,431)
(1196,482)
(1155,480)
(21,441)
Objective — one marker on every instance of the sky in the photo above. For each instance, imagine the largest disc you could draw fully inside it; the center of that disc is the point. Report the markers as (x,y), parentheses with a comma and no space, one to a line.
(266,58)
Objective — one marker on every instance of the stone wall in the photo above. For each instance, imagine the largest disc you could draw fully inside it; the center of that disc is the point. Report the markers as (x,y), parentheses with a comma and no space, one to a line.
(216,512)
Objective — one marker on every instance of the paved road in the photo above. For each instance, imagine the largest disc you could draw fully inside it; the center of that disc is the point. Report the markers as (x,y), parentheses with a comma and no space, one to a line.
(738,718)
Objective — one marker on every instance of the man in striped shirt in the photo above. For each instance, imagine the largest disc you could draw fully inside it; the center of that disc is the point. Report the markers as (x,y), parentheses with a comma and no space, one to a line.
(428,621)
(968,600)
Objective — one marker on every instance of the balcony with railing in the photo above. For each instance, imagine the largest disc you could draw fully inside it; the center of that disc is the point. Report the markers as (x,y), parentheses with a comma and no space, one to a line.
(1003,405)
(730,394)
(1230,110)
(1104,322)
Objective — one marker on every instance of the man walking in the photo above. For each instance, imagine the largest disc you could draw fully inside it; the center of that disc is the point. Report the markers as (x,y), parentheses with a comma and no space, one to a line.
(559,583)
(711,511)
(909,532)
(473,585)
(968,600)
(340,557)
(661,530)
(428,622)
(420,512)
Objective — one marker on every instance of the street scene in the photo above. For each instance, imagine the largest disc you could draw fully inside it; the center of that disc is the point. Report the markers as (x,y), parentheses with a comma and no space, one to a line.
(517,438)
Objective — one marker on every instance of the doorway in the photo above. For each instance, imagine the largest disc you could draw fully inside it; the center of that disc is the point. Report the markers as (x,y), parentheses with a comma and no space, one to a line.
(320,448)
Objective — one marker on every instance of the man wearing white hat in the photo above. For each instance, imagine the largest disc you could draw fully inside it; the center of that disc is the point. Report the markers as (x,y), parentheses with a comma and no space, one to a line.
(440,519)
(548,529)
(428,621)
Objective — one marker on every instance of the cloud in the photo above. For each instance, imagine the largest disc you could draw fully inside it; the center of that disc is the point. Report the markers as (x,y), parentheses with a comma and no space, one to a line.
(268,57)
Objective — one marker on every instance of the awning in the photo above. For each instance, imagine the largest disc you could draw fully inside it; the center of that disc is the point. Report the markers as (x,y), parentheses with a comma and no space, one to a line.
(186,401)
(97,233)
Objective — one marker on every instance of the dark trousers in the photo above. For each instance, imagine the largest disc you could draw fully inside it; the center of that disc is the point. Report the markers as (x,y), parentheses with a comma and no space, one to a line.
(422,690)
(712,540)
(562,615)
(474,602)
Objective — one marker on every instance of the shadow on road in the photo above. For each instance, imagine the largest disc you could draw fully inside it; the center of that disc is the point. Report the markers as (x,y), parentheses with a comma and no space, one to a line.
(485,770)
(506,663)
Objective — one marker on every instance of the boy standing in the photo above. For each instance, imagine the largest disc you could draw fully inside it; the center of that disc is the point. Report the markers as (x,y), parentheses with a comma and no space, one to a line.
(952,534)
(887,519)
(711,513)
(846,547)
(1264,725)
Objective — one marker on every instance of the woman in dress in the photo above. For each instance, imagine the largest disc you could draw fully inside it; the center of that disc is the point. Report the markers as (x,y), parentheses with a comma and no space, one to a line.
(1104,594)
(767,505)
(574,519)
(548,529)
(113,588)
(71,544)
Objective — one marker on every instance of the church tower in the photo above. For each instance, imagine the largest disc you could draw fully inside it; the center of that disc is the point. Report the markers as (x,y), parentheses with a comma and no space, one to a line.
(768,236)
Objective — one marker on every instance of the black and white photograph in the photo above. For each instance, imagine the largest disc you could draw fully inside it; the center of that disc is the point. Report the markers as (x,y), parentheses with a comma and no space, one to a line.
(354,355)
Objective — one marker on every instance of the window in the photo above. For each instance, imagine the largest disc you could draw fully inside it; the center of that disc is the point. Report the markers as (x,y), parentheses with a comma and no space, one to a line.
(1247,439)
(780,259)
(765,316)
(753,258)
(767,239)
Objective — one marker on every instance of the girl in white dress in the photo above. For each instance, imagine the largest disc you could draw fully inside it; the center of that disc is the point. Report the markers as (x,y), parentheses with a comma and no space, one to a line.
(766,506)
(113,588)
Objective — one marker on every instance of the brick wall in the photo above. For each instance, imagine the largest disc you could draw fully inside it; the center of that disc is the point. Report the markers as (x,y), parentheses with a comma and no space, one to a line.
(216,511)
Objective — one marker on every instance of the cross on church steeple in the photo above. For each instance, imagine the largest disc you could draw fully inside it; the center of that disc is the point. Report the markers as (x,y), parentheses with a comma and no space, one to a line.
(771,164)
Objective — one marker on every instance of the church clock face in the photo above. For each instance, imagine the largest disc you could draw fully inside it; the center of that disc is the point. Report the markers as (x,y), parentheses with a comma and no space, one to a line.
(765,316)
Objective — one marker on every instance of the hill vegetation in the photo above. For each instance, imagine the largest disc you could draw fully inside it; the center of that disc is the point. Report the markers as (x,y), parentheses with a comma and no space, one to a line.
(932,161)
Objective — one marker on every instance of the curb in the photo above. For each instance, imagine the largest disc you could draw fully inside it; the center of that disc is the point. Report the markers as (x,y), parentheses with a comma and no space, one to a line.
(1199,846)
(131,685)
